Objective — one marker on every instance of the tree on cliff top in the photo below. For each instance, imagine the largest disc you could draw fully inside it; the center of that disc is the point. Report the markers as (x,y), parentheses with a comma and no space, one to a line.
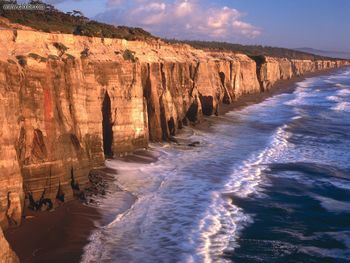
(254,51)
(52,20)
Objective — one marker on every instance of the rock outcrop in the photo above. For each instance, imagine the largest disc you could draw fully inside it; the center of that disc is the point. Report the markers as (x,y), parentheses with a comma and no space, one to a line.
(6,253)
(67,102)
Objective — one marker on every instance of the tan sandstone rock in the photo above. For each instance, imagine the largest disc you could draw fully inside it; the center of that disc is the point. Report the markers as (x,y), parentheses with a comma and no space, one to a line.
(6,253)
(68,101)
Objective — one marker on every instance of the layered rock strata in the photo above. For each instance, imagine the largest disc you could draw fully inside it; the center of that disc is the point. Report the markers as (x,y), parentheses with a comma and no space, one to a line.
(68,102)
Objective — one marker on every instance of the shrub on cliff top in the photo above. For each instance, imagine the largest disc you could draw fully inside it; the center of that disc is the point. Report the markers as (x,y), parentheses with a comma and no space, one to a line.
(70,56)
(53,20)
(37,57)
(85,53)
(254,51)
(129,55)
(22,60)
(53,57)
(61,47)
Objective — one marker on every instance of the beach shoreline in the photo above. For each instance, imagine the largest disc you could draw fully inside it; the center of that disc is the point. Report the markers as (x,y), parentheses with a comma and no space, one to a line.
(61,235)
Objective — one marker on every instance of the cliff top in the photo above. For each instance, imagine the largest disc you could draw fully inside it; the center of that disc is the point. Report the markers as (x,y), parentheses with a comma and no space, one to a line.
(50,20)
(253,50)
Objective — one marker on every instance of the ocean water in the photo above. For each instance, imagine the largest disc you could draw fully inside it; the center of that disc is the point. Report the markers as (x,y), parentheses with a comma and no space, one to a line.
(268,183)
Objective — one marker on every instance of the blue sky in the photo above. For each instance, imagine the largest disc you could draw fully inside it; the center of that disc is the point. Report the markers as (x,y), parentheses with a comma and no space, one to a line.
(321,24)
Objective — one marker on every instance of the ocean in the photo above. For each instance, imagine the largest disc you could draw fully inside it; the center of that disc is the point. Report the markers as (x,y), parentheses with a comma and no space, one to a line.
(267,183)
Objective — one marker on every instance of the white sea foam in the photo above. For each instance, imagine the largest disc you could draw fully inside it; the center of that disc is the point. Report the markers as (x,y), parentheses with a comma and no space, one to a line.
(339,85)
(339,183)
(220,217)
(302,96)
(303,93)
(307,82)
(342,107)
(333,205)
(334,98)
(219,221)
(343,92)
(225,220)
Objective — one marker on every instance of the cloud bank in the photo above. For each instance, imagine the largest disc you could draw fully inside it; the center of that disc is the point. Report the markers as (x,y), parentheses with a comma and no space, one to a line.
(184,19)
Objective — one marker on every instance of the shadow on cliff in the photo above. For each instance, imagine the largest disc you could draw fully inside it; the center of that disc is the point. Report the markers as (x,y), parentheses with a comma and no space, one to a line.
(107,126)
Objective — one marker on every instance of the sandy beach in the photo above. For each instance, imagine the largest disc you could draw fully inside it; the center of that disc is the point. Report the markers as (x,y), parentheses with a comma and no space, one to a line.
(61,235)
(57,236)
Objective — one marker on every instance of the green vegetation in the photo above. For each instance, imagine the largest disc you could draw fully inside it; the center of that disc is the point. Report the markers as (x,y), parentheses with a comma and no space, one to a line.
(22,60)
(61,47)
(53,57)
(37,57)
(53,20)
(129,55)
(252,51)
(69,56)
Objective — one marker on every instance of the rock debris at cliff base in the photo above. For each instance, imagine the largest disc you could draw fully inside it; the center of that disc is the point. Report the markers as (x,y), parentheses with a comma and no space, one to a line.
(52,93)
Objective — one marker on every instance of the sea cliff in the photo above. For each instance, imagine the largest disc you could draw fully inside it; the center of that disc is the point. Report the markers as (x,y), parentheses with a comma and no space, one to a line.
(67,102)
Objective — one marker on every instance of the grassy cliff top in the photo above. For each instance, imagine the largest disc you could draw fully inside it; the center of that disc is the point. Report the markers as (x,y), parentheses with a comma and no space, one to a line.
(252,50)
(50,20)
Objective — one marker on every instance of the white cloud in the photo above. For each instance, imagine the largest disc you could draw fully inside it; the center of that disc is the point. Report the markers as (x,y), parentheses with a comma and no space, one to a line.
(183,8)
(181,19)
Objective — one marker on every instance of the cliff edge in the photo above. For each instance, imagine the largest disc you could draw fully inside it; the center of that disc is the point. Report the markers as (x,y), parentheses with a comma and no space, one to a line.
(68,102)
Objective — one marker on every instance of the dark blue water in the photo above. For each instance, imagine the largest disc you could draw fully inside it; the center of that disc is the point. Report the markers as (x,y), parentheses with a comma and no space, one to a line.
(268,183)
(304,215)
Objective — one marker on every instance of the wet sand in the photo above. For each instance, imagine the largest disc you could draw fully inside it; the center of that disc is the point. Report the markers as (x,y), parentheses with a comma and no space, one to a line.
(61,235)
(57,236)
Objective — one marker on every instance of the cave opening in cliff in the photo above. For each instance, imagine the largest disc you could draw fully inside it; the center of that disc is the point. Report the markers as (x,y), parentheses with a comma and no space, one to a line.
(226,99)
(107,126)
(207,105)
(192,113)
(171,126)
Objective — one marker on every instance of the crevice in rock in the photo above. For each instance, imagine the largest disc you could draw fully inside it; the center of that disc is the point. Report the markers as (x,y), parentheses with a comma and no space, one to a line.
(21,145)
(44,204)
(227,97)
(171,126)
(15,34)
(163,122)
(259,60)
(194,71)
(107,126)
(207,104)
(38,146)
(185,121)
(11,221)
(75,141)
(193,75)
(179,124)
(222,78)
(60,194)
(77,192)
(147,94)
(163,76)
(192,113)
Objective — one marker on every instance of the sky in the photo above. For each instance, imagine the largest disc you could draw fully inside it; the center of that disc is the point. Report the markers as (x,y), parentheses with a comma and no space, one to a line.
(320,24)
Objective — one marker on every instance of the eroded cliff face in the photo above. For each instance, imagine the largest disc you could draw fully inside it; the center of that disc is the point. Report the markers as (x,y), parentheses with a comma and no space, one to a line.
(6,253)
(67,102)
